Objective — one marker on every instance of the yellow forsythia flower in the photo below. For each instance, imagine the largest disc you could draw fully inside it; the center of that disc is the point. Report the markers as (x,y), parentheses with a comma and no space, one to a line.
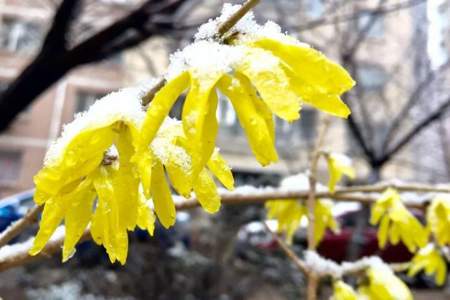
(289,214)
(430,260)
(324,220)
(338,166)
(76,173)
(438,219)
(260,72)
(343,291)
(169,153)
(382,284)
(397,223)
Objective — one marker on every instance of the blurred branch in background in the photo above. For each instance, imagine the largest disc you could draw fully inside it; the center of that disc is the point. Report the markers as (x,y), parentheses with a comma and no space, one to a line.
(15,255)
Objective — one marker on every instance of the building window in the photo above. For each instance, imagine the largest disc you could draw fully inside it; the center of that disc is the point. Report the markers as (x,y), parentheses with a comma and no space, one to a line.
(10,163)
(19,36)
(377,28)
(85,99)
(371,77)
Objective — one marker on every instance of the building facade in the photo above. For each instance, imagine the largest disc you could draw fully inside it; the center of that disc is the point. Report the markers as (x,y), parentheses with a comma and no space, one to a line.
(22,147)
(23,26)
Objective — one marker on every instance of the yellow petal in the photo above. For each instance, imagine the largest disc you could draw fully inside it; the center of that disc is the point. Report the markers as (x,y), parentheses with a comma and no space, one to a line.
(383,231)
(342,291)
(206,191)
(162,198)
(79,213)
(314,68)
(143,159)
(179,172)
(160,106)
(219,167)
(266,73)
(146,217)
(338,165)
(52,216)
(116,243)
(255,125)
(199,119)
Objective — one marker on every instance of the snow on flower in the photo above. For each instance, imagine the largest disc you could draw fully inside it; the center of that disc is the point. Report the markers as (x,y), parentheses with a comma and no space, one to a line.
(99,161)
(260,70)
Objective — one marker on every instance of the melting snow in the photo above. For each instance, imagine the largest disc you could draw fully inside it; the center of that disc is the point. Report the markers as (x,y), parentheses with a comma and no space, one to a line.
(16,249)
(121,105)
(328,267)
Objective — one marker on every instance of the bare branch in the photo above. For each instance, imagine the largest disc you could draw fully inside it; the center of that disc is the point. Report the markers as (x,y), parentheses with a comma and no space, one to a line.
(434,116)
(18,227)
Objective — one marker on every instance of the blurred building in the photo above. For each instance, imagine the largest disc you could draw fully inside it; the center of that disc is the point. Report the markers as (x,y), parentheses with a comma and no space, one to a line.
(23,25)
(22,148)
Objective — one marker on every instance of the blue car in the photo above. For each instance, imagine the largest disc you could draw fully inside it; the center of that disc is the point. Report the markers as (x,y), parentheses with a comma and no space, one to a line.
(14,207)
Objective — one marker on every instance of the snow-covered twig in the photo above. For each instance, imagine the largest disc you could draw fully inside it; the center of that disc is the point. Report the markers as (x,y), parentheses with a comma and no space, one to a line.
(288,251)
(19,226)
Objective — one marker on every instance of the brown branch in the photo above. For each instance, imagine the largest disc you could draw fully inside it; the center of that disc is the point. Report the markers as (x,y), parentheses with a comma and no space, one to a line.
(299,263)
(413,99)
(434,116)
(19,226)
(22,257)
(227,25)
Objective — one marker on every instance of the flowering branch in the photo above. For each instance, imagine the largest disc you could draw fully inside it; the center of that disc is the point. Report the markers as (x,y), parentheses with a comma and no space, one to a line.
(19,254)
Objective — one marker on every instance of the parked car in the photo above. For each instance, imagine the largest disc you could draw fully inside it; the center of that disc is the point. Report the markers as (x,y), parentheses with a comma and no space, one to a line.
(334,246)
(14,207)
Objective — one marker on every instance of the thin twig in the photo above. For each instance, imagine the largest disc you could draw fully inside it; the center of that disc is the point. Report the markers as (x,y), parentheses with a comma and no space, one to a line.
(350,194)
(19,226)
(234,18)
(221,31)
(311,204)
(299,263)
(22,257)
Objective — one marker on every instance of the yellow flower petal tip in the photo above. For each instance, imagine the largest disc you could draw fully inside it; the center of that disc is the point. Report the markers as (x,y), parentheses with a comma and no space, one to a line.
(438,219)
(343,291)
(289,214)
(338,166)
(383,284)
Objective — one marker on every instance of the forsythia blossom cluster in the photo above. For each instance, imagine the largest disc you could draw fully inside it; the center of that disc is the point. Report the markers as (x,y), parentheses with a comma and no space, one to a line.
(431,261)
(397,223)
(107,172)
(289,214)
(380,284)
(438,219)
